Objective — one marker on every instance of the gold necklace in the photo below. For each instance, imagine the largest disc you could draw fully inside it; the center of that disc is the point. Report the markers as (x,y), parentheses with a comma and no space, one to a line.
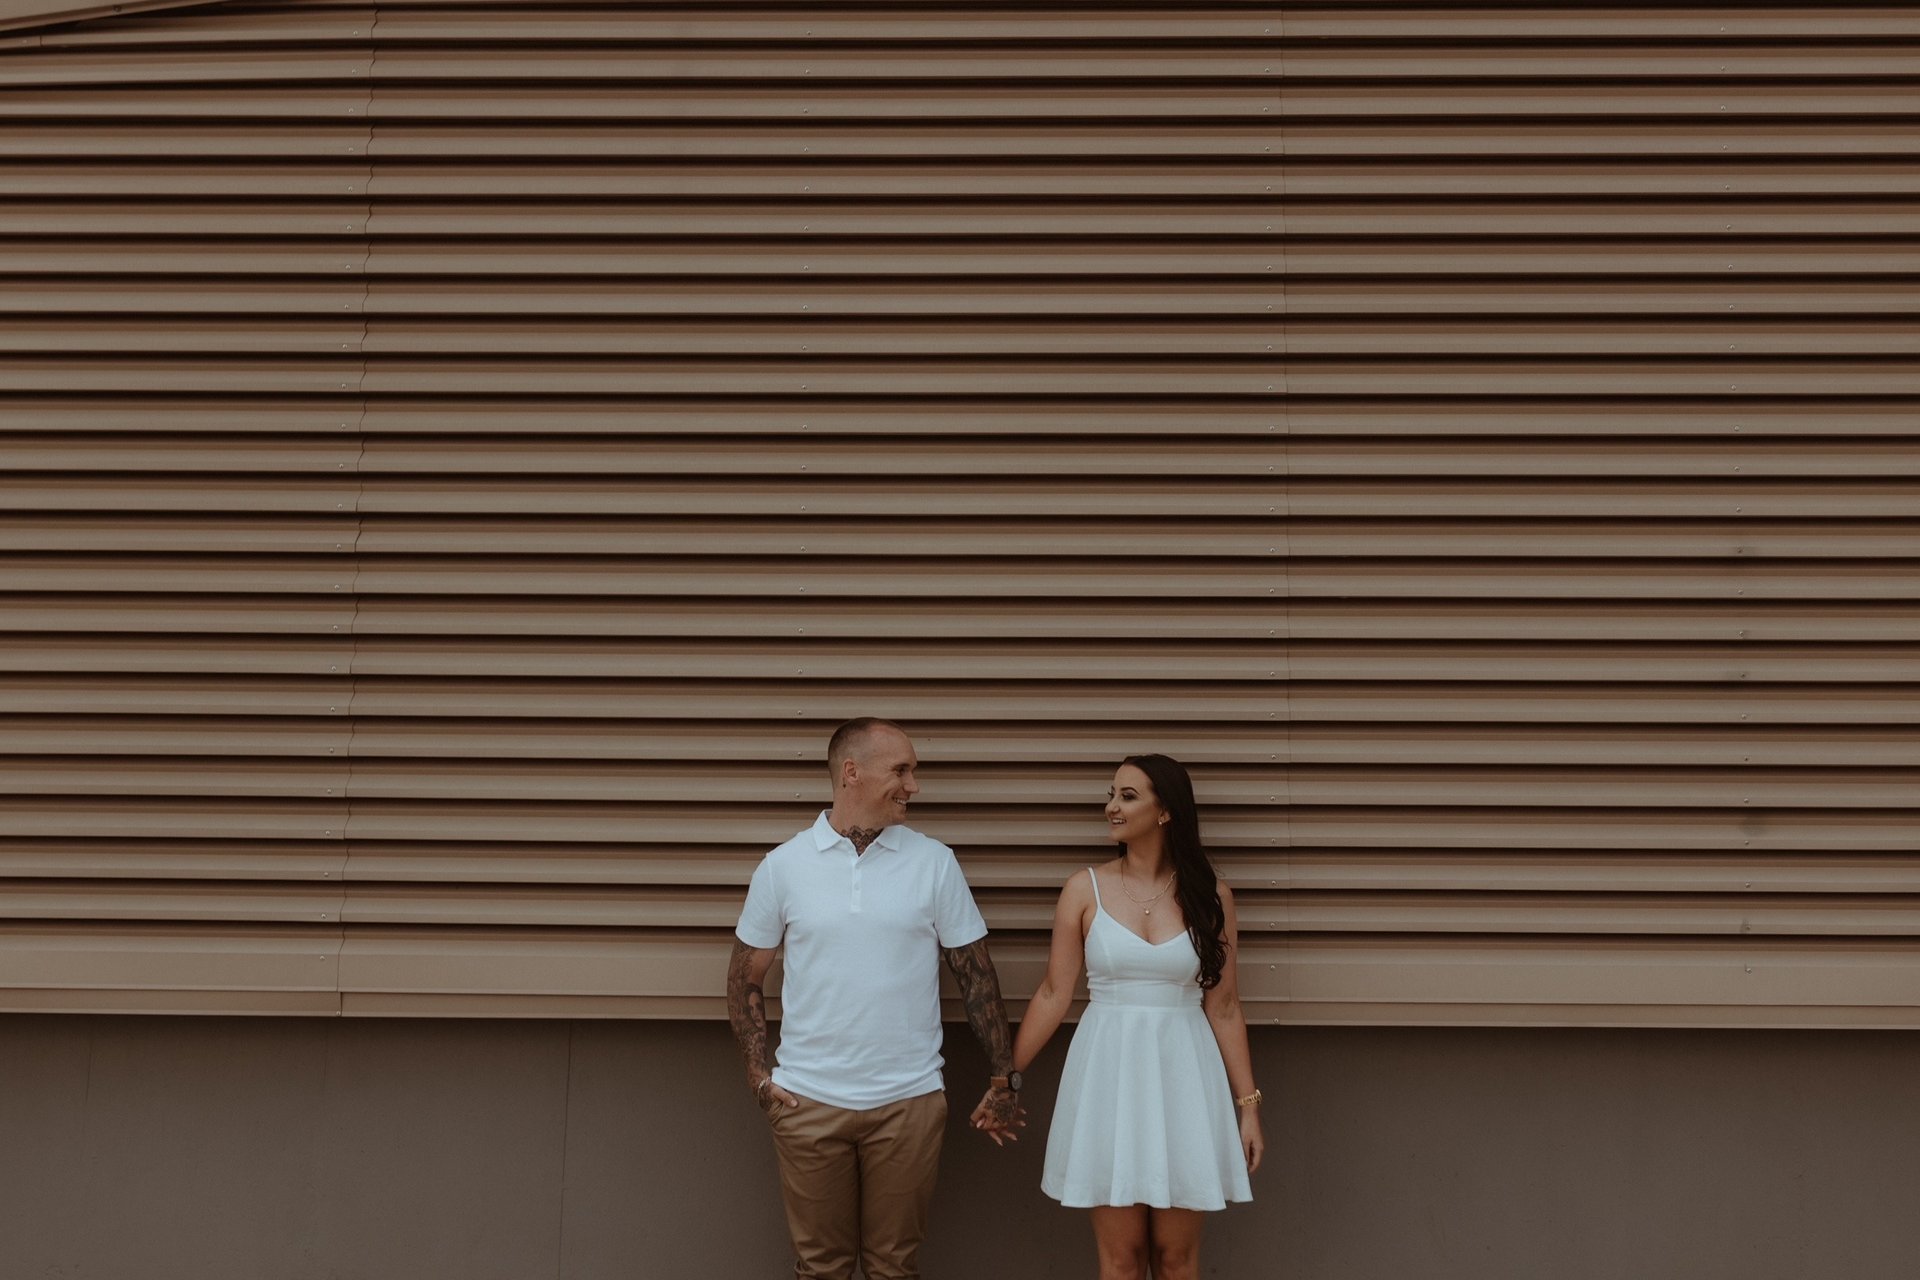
(1144,903)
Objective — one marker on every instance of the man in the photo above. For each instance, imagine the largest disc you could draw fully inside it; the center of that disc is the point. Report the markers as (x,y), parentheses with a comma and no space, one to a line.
(867,908)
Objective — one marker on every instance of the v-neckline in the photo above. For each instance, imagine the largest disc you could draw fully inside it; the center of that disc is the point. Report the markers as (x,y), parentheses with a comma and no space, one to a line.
(1102,908)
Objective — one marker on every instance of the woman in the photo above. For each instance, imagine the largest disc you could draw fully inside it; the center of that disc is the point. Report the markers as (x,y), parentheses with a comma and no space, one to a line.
(1145,1131)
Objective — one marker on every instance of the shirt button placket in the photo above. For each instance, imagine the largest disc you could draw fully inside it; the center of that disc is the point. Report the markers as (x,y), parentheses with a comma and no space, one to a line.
(853,901)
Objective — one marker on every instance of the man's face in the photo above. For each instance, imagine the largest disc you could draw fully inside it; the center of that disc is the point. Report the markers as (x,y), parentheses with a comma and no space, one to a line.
(880,782)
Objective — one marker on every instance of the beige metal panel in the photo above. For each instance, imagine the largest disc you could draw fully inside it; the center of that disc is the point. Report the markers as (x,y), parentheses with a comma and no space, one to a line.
(1391,580)
(119,777)
(1306,469)
(83,453)
(1298,102)
(77,613)
(174,901)
(1221,181)
(1673,706)
(640,569)
(1590,914)
(645,104)
(316,575)
(1321,27)
(116,656)
(150,104)
(538,298)
(175,1001)
(1584,398)
(129,296)
(1249,664)
(1251,338)
(1185,619)
(1535,872)
(1760,663)
(207,68)
(1115,142)
(201,816)
(318,494)
(1616,621)
(1620,461)
(211,413)
(38,335)
(255,738)
(54,220)
(719,703)
(1719,25)
(836,544)
(1733,828)
(1723,534)
(1653,418)
(212,258)
(1414,744)
(282,142)
(140,858)
(758,825)
(694,782)
(749,498)
(202,968)
(223,692)
(811,461)
(485,419)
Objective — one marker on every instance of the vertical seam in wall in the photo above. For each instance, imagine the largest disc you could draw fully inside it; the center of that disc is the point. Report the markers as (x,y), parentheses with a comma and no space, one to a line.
(1283,531)
(359,399)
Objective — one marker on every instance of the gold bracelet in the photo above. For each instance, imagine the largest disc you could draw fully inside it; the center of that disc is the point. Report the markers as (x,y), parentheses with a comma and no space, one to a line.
(1251,1100)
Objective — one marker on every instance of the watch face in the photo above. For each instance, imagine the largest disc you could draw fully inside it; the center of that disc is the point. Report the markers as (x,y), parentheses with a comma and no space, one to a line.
(1014,1081)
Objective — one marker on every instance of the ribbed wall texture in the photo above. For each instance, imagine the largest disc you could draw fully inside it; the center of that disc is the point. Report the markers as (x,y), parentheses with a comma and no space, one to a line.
(464,457)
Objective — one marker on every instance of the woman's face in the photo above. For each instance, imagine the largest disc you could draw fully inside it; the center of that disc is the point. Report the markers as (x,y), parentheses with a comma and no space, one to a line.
(1133,811)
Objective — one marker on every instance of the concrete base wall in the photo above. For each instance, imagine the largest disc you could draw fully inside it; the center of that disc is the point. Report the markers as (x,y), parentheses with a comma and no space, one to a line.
(149,1149)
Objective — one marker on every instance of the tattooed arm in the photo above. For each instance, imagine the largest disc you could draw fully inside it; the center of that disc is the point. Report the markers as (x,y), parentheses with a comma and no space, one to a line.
(747,1011)
(999,1112)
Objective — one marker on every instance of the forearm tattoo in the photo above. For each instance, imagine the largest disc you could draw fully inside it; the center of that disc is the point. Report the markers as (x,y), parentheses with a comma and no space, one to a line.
(747,1011)
(979,985)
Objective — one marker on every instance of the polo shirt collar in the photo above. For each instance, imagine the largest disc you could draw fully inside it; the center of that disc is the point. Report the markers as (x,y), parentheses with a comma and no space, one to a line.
(825,837)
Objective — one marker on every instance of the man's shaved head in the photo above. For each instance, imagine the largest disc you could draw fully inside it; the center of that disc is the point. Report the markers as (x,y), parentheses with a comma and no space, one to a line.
(852,740)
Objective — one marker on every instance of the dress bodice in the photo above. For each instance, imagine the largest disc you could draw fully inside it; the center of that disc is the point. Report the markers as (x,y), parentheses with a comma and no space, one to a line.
(1123,968)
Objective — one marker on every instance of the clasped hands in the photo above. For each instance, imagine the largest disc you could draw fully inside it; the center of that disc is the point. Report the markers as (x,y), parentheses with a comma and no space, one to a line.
(1000,1116)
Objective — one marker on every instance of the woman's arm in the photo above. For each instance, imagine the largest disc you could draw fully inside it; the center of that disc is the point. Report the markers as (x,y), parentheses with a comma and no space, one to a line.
(1230,1032)
(1048,1008)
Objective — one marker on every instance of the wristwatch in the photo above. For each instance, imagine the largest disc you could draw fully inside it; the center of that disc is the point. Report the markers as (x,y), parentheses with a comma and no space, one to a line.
(1010,1081)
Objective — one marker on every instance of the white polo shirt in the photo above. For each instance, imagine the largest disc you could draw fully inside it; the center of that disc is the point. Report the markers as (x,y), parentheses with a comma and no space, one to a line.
(860,994)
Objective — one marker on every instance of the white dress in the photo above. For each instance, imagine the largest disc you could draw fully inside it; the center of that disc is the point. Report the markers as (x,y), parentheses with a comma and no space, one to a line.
(1145,1114)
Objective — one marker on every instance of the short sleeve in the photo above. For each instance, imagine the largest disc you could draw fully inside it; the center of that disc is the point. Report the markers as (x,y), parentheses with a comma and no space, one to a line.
(956,920)
(762,919)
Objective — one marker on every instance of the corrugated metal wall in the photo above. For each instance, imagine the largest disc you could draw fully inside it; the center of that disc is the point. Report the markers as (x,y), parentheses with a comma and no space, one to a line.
(462,458)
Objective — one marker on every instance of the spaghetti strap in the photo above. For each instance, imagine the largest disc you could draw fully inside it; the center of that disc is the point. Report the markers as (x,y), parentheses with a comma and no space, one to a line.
(1095,881)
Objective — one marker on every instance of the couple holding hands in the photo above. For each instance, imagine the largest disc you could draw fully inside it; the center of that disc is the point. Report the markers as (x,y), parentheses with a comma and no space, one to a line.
(1157,1118)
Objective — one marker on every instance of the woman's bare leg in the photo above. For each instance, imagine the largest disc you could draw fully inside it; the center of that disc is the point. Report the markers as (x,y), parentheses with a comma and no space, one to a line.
(1121,1237)
(1174,1237)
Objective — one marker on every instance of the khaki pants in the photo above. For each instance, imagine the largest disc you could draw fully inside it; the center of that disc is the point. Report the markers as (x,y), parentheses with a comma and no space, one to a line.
(857,1185)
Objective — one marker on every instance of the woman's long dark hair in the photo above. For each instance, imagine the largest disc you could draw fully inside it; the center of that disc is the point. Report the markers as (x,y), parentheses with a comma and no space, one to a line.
(1196,887)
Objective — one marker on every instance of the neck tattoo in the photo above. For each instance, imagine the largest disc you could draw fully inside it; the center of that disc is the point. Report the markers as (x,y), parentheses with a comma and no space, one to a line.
(861,837)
